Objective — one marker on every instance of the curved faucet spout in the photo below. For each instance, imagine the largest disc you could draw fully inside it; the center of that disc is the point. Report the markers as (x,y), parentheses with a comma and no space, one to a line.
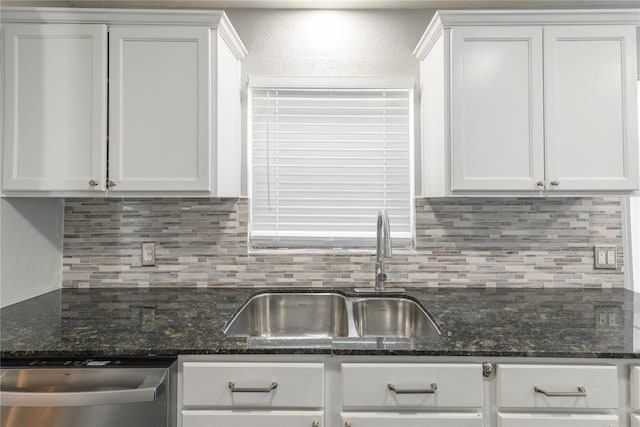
(383,248)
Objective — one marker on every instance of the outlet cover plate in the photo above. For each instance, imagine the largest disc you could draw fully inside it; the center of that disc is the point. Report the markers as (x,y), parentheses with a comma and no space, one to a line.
(148,254)
(605,257)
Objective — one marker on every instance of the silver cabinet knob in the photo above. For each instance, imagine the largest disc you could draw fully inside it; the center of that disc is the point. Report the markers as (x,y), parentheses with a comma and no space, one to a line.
(347,424)
(315,423)
(540,184)
(110,184)
(555,183)
(93,183)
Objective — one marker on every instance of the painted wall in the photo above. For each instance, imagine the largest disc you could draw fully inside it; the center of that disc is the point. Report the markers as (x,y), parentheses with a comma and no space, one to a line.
(328,43)
(30,247)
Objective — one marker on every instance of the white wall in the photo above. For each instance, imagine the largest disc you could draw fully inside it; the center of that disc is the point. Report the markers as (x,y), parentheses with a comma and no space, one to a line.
(328,43)
(31,232)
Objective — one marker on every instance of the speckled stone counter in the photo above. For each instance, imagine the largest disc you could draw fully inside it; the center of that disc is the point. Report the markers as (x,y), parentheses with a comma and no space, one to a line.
(573,323)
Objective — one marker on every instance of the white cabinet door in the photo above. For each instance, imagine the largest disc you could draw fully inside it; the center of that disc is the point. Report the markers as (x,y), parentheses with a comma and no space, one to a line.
(55,107)
(556,420)
(557,386)
(385,419)
(433,385)
(497,108)
(590,108)
(159,104)
(277,385)
(635,420)
(253,419)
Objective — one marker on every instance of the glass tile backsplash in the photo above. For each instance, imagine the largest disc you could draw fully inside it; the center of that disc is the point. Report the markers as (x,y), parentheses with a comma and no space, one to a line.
(492,242)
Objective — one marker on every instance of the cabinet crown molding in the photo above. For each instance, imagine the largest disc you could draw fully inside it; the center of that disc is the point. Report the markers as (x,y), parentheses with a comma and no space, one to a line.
(214,19)
(445,19)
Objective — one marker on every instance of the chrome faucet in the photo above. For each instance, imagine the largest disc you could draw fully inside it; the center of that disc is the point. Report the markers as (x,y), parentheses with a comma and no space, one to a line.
(383,248)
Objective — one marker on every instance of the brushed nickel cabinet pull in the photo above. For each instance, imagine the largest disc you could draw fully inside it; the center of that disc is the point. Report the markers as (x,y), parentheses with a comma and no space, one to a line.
(235,389)
(431,390)
(347,424)
(110,184)
(93,183)
(315,423)
(555,183)
(582,392)
(540,184)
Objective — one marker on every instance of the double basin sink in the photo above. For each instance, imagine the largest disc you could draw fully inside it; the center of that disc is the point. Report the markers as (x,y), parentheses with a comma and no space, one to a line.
(330,315)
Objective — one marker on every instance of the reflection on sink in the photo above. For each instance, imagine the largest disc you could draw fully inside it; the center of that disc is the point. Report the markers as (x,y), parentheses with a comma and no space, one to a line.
(392,317)
(295,315)
(321,316)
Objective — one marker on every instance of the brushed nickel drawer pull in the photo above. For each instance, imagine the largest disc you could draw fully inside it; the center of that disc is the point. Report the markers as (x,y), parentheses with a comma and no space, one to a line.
(431,390)
(582,392)
(235,389)
(93,183)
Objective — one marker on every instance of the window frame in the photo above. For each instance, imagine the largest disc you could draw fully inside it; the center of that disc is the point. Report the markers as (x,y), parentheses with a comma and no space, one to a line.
(355,244)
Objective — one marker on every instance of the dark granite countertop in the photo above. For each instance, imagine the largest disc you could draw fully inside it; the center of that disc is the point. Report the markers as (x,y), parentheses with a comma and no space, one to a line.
(572,323)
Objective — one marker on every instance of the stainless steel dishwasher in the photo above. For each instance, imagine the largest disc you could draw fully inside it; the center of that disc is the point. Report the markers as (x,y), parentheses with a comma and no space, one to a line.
(87,393)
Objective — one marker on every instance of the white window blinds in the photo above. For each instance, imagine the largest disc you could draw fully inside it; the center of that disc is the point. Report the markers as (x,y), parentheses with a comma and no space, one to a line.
(325,157)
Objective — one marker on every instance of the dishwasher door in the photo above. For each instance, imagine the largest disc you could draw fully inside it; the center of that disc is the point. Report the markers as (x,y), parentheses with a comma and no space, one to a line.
(84,397)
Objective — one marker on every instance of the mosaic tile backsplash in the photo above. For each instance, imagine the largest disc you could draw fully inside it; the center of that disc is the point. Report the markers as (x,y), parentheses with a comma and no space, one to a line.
(479,242)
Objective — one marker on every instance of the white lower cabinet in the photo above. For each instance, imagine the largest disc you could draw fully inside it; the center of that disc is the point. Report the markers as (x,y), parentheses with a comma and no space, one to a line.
(382,419)
(253,419)
(306,390)
(557,420)
(418,394)
(557,395)
(230,394)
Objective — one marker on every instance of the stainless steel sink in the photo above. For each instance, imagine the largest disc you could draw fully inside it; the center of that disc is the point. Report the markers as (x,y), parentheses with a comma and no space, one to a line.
(329,315)
(303,315)
(392,317)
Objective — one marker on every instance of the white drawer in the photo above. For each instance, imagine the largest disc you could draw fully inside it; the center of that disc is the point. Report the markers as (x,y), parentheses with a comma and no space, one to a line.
(516,386)
(635,387)
(556,420)
(253,419)
(635,420)
(385,419)
(298,385)
(368,384)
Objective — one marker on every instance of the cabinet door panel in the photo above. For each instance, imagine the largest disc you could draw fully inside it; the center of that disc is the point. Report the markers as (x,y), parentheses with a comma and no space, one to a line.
(383,419)
(591,108)
(159,123)
(556,420)
(253,419)
(516,386)
(635,420)
(452,385)
(299,385)
(55,107)
(496,123)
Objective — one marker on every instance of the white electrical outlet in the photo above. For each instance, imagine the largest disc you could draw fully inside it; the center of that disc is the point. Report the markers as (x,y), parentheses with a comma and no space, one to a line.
(605,257)
(148,254)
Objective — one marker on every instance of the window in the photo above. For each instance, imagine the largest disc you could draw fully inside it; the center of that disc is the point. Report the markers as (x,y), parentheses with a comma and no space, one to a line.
(325,156)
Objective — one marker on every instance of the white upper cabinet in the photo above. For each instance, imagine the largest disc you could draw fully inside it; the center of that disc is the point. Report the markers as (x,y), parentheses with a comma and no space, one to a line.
(527,102)
(55,107)
(591,107)
(159,89)
(496,121)
(165,133)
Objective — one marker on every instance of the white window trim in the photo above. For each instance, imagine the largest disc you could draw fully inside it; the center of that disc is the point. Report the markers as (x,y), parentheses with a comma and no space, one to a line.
(405,83)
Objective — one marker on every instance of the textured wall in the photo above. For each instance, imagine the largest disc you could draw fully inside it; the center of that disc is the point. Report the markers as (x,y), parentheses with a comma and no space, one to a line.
(30,247)
(468,242)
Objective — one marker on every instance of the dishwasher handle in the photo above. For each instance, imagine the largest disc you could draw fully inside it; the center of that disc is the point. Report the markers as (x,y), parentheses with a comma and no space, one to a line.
(147,391)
